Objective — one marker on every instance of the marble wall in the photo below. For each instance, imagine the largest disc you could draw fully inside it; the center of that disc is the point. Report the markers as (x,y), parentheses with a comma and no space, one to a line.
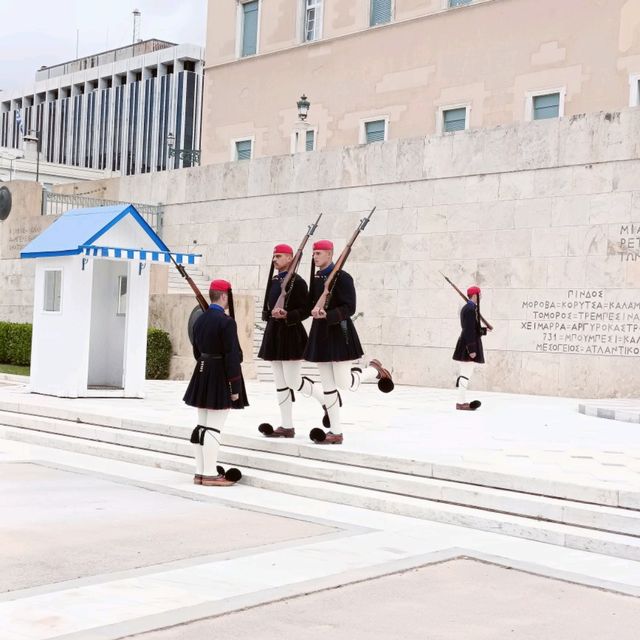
(544,216)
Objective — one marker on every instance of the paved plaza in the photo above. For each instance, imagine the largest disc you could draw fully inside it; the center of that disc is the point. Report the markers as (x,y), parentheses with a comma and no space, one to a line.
(100,548)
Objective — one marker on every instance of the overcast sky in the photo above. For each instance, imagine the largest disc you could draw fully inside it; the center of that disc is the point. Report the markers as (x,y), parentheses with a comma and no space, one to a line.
(43,32)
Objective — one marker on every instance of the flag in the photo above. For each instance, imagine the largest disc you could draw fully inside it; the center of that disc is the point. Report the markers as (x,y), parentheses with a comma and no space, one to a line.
(19,121)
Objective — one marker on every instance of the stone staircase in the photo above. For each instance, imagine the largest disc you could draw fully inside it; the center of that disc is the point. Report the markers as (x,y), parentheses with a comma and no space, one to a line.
(599,519)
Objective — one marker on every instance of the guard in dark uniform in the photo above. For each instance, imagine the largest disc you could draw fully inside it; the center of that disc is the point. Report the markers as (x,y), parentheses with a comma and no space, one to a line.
(284,341)
(334,343)
(469,351)
(216,385)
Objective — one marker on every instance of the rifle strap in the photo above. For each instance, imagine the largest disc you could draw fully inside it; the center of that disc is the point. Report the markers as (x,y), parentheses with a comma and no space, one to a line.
(312,275)
(265,304)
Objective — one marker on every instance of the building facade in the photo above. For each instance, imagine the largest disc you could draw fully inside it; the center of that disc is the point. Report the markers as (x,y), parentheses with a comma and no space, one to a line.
(390,69)
(131,110)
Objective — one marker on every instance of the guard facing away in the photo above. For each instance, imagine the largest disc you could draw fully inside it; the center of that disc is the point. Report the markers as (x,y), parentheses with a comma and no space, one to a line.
(333,341)
(216,385)
(285,339)
(469,350)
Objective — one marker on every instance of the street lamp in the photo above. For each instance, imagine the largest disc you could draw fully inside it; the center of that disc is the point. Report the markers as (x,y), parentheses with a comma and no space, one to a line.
(34,136)
(303,107)
(11,159)
(190,155)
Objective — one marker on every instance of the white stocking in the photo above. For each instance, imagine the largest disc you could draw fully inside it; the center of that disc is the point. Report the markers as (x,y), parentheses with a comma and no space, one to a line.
(332,398)
(464,379)
(212,440)
(285,400)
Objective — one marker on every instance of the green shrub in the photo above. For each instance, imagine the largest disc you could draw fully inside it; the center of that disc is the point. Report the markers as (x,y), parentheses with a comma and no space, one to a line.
(159,352)
(4,342)
(15,343)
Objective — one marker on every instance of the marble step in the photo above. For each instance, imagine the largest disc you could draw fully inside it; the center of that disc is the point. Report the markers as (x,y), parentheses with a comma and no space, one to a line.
(617,545)
(300,447)
(405,484)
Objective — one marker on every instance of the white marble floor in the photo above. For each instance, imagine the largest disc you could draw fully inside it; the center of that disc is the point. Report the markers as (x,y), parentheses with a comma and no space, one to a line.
(536,436)
(368,544)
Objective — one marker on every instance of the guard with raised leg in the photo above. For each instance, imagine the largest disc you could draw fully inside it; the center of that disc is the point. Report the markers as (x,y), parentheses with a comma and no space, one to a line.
(333,340)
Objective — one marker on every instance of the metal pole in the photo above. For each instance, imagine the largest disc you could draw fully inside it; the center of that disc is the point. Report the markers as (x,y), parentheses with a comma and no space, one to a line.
(38,158)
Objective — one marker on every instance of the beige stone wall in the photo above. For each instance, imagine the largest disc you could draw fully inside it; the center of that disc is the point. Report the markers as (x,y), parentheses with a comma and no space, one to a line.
(545,216)
(488,55)
(22,225)
(171,312)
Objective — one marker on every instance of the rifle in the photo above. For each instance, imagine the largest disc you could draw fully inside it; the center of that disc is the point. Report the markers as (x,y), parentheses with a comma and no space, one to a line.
(295,263)
(204,305)
(466,300)
(323,300)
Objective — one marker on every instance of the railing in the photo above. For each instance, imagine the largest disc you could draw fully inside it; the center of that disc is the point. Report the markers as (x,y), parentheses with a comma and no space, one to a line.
(105,57)
(54,204)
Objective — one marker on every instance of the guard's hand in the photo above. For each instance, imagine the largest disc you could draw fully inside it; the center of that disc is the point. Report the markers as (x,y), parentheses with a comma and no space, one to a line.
(472,355)
(235,396)
(279,314)
(319,314)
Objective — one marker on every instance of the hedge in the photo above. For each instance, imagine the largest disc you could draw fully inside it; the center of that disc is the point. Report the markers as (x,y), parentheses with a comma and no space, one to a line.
(15,348)
(159,352)
(15,343)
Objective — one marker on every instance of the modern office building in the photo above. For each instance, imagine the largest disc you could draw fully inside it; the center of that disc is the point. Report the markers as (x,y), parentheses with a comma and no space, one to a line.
(389,69)
(135,109)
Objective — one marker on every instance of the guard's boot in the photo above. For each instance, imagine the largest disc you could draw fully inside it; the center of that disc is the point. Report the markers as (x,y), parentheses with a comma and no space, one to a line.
(321,437)
(282,432)
(197,479)
(385,381)
(468,406)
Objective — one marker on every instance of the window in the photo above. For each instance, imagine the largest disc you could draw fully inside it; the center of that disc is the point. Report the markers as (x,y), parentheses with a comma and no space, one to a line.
(122,296)
(375,131)
(454,119)
(249,28)
(380,12)
(459,3)
(243,149)
(546,106)
(52,290)
(310,140)
(312,20)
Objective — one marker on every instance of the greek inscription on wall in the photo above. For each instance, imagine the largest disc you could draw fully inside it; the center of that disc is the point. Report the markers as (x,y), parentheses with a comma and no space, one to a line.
(596,322)
(629,242)
(21,235)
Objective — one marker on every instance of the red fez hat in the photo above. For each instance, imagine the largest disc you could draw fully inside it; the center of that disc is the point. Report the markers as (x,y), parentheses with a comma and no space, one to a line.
(220,285)
(282,248)
(473,290)
(325,245)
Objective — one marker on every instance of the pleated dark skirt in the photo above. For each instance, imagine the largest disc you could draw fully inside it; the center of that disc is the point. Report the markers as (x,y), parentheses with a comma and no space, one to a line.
(209,389)
(333,343)
(461,354)
(282,341)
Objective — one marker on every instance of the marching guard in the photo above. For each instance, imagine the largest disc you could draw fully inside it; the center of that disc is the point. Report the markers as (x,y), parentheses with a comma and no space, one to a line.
(469,351)
(333,342)
(285,339)
(216,385)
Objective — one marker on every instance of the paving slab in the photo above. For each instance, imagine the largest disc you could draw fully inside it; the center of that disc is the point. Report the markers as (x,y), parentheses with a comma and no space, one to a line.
(447,601)
(65,526)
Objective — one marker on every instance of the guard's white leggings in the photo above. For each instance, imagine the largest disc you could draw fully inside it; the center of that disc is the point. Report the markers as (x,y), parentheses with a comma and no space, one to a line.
(207,454)
(289,380)
(341,375)
(464,379)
